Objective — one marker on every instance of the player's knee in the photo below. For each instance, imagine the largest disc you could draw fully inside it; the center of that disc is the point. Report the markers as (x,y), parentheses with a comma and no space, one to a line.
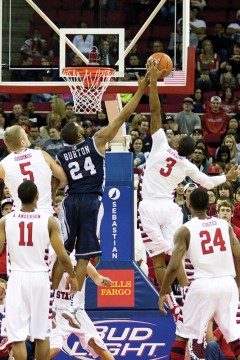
(159,260)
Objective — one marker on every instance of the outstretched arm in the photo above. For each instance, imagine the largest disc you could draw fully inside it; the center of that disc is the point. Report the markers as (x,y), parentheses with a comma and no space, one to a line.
(107,133)
(155,106)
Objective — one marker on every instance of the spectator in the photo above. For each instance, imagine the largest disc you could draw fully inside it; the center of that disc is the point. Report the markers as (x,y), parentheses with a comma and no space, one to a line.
(234,125)
(188,189)
(23,121)
(170,135)
(105,57)
(3,122)
(197,135)
(233,29)
(234,60)
(55,143)
(34,118)
(133,62)
(212,197)
(197,26)
(198,101)
(228,100)
(14,115)
(179,194)
(223,154)
(87,128)
(83,42)
(69,113)
(134,133)
(227,79)
(230,142)
(169,122)
(34,134)
(53,120)
(186,121)
(225,211)
(137,148)
(199,159)
(215,121)
(35,45)
(25,74)
(178,37)
(207,67)
(53,45)
(201,144)
(220,41)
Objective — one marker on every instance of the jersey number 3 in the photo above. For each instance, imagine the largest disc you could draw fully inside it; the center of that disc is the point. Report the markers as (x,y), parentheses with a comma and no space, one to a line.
(168,168)
(217,241)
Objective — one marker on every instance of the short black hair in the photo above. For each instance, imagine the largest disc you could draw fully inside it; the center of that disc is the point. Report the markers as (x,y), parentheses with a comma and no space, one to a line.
(27,192)
(199,199)
(69,133)
(186,146)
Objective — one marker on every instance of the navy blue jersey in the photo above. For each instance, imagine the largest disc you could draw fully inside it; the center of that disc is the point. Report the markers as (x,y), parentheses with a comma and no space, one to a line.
(84,167)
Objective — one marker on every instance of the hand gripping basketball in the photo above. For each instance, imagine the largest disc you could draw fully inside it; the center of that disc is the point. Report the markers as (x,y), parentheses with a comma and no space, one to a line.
(164,62)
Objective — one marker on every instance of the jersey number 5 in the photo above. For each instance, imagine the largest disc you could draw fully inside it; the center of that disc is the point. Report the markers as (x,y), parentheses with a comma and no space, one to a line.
(25,171)
(169,165)
(22,242)
(217,241)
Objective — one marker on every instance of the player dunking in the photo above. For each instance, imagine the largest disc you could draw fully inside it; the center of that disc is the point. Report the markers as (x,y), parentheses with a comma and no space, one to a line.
(28,233)
(165,168)
(83,162)
(210,244)
(28,164)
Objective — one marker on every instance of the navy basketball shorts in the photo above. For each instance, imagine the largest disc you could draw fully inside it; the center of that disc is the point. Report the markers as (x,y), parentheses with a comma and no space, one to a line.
(79,219)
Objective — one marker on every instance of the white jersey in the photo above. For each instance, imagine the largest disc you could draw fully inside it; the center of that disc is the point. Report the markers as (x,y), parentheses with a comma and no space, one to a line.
(165,169)
(28,240)
(210,249)
(29,164)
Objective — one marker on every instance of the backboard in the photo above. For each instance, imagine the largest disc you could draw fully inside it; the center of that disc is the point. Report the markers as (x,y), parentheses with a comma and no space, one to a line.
(57,17)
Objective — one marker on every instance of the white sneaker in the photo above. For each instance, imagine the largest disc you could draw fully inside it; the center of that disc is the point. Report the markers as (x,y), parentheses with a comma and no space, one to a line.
(69,315)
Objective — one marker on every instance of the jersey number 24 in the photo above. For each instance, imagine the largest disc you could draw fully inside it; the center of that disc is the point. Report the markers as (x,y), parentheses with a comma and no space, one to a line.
(218,241)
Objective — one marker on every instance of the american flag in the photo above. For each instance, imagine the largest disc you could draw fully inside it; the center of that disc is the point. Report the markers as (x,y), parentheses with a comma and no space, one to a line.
(175,78)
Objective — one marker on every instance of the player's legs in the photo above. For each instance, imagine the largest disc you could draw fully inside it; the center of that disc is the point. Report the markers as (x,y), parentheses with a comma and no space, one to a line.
(81,271)
(42,349)
(19,350)
(159,264)
(102,353)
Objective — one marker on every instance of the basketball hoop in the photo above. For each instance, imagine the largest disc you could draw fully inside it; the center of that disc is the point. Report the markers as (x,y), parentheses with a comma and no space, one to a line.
(87,85)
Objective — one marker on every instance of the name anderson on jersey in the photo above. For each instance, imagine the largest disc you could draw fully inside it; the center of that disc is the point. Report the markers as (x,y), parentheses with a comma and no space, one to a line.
(76,153)
(27,216)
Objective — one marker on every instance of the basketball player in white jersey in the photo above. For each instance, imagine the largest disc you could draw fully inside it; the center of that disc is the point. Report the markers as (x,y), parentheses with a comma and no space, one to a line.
(24,163)
(28,233)
(88,336)
(165,168)
(214,251)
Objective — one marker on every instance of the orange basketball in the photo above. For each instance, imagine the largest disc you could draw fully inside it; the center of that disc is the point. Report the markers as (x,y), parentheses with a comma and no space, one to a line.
(165,62)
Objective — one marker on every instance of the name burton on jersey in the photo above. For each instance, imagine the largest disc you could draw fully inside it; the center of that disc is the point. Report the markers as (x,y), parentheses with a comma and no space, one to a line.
(70,155)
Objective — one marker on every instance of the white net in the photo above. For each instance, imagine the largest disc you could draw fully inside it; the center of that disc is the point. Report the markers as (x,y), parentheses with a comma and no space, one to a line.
(87,86)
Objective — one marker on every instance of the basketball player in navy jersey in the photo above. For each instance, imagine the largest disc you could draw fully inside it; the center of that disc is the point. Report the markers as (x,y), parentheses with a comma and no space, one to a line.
(83,162)
(209,242)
